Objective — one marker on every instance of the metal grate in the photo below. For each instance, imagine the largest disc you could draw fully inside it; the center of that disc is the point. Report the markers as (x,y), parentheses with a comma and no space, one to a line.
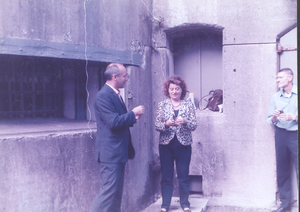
(29,93)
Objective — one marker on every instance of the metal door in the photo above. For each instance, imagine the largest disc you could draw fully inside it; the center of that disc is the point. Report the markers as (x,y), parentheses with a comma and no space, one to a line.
(198,60)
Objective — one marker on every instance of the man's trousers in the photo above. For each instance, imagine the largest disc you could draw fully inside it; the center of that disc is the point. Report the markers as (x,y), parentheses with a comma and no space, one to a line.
(110,196)
(286,144)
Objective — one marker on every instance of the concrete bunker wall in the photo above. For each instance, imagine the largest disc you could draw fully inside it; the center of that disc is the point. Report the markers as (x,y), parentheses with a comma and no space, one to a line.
(92,31)
(232,144)
(236,147)
(52,172)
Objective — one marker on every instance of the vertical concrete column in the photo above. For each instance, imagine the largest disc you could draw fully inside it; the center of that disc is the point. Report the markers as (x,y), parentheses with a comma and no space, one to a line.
(163,68)
(92,89)
(69,93)
(160,72)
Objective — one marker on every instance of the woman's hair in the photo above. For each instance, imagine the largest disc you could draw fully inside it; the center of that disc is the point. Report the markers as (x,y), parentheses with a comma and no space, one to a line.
(177,80)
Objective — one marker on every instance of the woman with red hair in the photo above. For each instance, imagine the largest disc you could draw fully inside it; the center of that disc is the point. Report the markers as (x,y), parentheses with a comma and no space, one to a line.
(175,120)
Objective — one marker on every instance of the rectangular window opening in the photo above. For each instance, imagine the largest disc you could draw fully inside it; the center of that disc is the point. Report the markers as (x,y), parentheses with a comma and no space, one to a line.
(38,87)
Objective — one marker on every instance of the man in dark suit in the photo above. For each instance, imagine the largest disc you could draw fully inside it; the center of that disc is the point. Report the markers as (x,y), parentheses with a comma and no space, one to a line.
(113,141)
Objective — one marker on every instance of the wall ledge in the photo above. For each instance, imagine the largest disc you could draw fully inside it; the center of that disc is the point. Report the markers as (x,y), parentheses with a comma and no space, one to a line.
(40,48)
(32,127)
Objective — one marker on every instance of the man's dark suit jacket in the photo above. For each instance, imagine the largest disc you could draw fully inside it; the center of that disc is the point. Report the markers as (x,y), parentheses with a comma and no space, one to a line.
(113,140)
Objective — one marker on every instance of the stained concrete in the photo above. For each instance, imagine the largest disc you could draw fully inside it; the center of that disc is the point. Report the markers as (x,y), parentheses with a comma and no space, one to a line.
(52,170)
(40,126)
(105,31)
(236,148)
(201,204)
(197,205)
(242,209)
(15,46)
(47,165)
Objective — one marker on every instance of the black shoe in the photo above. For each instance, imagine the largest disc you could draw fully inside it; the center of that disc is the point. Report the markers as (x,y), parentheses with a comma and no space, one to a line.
(286,209)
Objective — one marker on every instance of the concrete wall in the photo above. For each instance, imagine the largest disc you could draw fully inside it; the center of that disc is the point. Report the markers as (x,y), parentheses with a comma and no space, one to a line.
(236,148)
(107,24)
(143,173)
(48,172)
(104,31)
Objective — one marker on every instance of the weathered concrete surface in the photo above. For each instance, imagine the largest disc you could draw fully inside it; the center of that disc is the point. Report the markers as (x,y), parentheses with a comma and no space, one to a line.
(106,31)
(106,24)
(208,153)
(142,174)
(57,172)
(243,21)
(248,139)
(38,48)
(49,165)
(41,126)
(241,209)
(162,68)
(236,148)
(49,170)
(197,205)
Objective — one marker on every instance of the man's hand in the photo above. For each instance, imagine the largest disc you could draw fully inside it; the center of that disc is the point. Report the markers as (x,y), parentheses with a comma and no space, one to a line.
(286,117)
(138,111)
(276,114)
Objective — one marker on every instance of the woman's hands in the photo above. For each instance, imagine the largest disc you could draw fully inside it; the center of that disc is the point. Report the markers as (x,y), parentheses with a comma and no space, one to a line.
(175,122)
(181,121)
(170,122)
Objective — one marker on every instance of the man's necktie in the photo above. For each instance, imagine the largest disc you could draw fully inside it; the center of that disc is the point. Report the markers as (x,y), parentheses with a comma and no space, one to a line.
(119,94)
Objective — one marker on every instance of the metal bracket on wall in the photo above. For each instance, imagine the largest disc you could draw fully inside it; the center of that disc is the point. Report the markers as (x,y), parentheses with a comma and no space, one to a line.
(286,48)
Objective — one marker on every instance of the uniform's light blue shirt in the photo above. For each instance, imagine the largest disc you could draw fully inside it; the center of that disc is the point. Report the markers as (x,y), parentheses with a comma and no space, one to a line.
(288,104)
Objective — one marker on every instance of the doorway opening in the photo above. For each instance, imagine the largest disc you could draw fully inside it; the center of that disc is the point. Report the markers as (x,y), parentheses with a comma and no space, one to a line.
(198,59)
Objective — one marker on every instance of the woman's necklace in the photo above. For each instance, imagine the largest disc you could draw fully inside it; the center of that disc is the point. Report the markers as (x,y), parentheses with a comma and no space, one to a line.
(176,105)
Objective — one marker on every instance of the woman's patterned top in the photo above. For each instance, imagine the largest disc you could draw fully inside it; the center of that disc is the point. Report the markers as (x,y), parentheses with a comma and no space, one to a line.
(183,132)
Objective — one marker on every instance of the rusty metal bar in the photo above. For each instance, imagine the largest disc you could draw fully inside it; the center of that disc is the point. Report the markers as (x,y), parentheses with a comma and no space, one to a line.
(286,48)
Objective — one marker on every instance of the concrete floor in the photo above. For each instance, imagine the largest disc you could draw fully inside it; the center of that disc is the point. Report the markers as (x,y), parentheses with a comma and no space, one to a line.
(237,209)
(197,205)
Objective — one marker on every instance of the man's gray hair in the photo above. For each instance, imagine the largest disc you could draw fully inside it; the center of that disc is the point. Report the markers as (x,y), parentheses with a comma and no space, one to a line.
(111,69)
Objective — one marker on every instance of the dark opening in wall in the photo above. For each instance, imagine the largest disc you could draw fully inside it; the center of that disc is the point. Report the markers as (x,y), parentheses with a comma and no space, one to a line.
(196,184)
(197,56)
(33,87)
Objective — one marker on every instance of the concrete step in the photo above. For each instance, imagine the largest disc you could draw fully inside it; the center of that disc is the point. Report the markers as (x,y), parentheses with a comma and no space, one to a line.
(197,205)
